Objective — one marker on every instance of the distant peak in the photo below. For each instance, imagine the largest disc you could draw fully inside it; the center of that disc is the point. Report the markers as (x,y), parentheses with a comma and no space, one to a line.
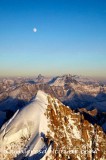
(40,76)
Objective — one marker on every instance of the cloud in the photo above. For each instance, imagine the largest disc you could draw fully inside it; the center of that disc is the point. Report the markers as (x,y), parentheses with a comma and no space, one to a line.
(34,29)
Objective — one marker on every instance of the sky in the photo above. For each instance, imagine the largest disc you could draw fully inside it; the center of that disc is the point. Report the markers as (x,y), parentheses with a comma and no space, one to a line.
(53,37)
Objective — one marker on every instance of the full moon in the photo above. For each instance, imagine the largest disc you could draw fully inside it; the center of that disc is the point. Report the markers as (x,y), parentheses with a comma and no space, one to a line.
(34,30)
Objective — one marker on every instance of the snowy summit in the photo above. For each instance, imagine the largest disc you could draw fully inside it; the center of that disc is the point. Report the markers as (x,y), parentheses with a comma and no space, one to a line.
(46,129)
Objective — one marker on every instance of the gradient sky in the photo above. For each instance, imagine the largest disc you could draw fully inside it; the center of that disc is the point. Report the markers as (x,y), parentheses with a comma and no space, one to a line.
(70,37)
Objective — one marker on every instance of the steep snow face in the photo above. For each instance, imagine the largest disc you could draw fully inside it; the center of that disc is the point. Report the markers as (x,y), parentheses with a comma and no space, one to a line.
(58,82)
(48,130)
(27,124)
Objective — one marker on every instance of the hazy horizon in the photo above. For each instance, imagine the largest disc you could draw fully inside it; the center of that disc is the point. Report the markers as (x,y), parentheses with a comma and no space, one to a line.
(53,37)
(52,76)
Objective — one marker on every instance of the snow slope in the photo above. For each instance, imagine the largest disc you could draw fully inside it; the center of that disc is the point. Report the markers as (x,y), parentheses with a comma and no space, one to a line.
(28,124)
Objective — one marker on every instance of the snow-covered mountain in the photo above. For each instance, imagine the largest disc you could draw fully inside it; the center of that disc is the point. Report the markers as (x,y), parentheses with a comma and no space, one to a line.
(68,78)
(46,129)
(79,92)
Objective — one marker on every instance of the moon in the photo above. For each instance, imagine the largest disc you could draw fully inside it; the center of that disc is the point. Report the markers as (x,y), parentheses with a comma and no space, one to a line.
(34,30)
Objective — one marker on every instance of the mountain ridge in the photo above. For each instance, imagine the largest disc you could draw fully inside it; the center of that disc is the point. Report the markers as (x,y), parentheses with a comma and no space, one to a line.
(57,131)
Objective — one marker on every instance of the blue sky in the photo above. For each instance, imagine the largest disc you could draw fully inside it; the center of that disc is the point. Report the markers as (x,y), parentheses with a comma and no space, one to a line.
(70,37)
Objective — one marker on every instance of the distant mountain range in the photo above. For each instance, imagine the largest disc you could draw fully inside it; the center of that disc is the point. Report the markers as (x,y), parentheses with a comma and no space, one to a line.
(73,91)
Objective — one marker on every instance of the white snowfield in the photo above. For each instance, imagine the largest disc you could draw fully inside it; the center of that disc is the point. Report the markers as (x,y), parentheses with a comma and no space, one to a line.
(30,123)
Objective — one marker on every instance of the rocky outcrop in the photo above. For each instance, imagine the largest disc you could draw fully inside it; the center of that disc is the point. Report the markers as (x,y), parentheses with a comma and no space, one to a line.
(73,136)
